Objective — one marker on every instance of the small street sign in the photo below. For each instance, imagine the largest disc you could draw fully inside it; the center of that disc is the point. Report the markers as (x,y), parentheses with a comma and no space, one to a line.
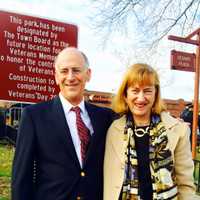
(183,61)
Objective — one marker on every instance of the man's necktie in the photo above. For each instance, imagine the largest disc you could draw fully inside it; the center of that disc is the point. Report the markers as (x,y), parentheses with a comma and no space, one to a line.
(83,132)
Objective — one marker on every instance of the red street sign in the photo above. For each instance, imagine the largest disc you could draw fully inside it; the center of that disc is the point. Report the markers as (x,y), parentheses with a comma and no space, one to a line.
(28,49)
(182,61)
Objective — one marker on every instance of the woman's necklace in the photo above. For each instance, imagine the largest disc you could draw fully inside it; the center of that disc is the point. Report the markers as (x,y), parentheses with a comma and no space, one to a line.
(140,132)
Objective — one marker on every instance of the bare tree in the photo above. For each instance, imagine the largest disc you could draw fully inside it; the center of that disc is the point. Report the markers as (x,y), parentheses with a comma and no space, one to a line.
(149,20)
(136,30)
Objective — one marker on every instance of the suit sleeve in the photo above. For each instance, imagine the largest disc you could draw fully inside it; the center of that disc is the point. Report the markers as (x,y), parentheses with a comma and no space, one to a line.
(22,170)
(184,166)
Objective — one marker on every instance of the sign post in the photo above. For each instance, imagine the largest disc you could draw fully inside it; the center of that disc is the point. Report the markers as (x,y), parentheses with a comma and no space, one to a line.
(196,42)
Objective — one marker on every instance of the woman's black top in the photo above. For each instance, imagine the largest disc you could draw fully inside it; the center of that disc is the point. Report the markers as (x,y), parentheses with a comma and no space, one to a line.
(145,183)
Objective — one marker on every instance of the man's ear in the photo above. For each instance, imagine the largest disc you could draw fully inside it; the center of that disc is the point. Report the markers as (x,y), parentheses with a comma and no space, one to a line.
(56,78)
(88,74)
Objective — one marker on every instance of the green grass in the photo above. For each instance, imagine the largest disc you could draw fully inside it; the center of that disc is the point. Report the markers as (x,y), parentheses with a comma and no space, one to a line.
(6,157)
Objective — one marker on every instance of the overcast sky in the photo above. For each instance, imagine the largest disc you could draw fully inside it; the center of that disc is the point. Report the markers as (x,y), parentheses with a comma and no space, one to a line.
(107,68)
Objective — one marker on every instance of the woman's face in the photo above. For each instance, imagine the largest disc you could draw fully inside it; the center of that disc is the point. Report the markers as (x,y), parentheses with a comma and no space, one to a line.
(140,100)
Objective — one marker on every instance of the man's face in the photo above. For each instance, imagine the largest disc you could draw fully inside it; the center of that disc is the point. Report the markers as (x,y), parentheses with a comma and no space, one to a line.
(71,75)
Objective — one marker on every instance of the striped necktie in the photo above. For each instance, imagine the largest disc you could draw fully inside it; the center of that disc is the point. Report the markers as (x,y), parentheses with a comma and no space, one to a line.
(83,132)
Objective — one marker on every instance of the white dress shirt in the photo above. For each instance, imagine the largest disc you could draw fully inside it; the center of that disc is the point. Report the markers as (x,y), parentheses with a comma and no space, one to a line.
(71,121)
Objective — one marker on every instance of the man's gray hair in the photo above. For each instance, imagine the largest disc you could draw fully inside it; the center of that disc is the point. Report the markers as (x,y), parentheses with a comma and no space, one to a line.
(67,48)
(86,59)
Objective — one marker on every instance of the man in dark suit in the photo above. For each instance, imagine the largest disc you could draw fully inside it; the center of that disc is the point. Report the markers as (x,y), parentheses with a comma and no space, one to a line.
(48,162)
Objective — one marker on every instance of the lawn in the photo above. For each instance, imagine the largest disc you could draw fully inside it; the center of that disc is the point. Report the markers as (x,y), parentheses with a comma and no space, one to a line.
(6,157)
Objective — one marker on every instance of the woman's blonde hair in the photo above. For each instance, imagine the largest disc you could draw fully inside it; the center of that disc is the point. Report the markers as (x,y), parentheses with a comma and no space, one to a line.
(141,74)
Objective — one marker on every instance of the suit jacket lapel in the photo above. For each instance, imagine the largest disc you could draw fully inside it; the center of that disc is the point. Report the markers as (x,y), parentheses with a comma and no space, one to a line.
(62,129)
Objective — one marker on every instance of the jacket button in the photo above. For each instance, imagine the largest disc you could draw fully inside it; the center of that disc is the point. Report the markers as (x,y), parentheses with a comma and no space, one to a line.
(82,174)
